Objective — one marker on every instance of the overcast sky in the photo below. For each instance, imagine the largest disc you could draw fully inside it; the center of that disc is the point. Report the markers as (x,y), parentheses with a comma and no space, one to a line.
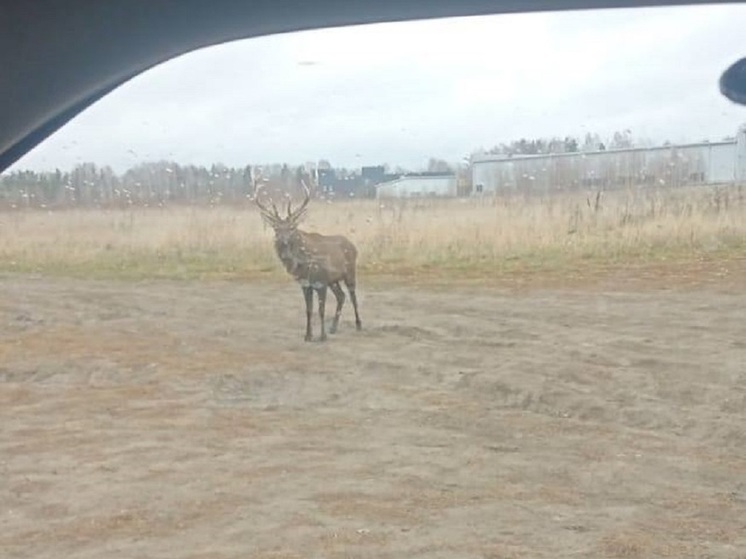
(400,93)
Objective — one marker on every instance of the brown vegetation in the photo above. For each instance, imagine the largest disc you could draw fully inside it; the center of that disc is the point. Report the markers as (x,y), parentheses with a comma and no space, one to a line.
(480,239)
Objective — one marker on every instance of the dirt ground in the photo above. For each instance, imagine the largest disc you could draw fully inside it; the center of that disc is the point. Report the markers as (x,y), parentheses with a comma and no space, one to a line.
(191,420)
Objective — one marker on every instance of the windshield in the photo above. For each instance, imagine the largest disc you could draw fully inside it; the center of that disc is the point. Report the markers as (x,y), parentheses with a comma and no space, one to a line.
(467,287)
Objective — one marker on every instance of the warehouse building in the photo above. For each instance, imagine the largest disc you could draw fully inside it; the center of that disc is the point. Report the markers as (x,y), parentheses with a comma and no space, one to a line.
(419,185)
(690,164)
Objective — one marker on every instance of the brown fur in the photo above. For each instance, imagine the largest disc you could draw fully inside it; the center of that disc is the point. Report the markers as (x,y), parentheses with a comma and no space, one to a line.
(317,262)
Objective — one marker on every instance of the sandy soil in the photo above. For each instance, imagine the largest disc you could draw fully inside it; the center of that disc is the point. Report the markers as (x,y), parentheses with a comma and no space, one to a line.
(191,420)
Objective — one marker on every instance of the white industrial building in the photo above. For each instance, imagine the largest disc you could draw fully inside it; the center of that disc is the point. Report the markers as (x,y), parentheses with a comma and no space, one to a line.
(700,163)
(425,185)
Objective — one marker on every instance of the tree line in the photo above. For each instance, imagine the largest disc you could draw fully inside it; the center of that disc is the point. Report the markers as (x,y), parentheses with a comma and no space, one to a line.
(161,183)
(151,184)
(569,144)
(147,184)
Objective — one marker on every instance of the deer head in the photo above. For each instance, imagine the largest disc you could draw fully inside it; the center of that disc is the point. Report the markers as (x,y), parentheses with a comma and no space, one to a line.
(284,226)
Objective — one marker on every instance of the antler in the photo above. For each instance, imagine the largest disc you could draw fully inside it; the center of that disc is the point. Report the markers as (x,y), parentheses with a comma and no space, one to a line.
(273,215)
(297,214)
(294,216)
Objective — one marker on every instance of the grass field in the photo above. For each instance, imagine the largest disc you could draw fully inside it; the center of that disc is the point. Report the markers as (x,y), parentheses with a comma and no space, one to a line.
(474,239)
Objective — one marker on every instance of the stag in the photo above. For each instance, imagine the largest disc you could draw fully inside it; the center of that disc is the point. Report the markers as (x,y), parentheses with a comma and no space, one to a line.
(317,262)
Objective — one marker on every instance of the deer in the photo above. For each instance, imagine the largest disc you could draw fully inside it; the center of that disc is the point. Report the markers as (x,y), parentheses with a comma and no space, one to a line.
(317,262)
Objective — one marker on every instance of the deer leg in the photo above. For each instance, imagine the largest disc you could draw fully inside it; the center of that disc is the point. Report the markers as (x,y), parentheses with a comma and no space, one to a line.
(322,307)
(351,288)
(340,295)
(308,296)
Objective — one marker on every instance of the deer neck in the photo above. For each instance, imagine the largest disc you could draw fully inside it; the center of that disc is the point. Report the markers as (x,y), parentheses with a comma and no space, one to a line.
(293,253)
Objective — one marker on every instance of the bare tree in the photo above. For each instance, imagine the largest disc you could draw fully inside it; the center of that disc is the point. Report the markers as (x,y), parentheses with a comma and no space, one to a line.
(316,261)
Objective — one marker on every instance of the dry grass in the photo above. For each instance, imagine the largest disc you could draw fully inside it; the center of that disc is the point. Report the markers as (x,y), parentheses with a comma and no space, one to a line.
(465,237)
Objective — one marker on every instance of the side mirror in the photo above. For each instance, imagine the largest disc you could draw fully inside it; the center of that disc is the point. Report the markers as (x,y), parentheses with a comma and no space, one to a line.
(733,82)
